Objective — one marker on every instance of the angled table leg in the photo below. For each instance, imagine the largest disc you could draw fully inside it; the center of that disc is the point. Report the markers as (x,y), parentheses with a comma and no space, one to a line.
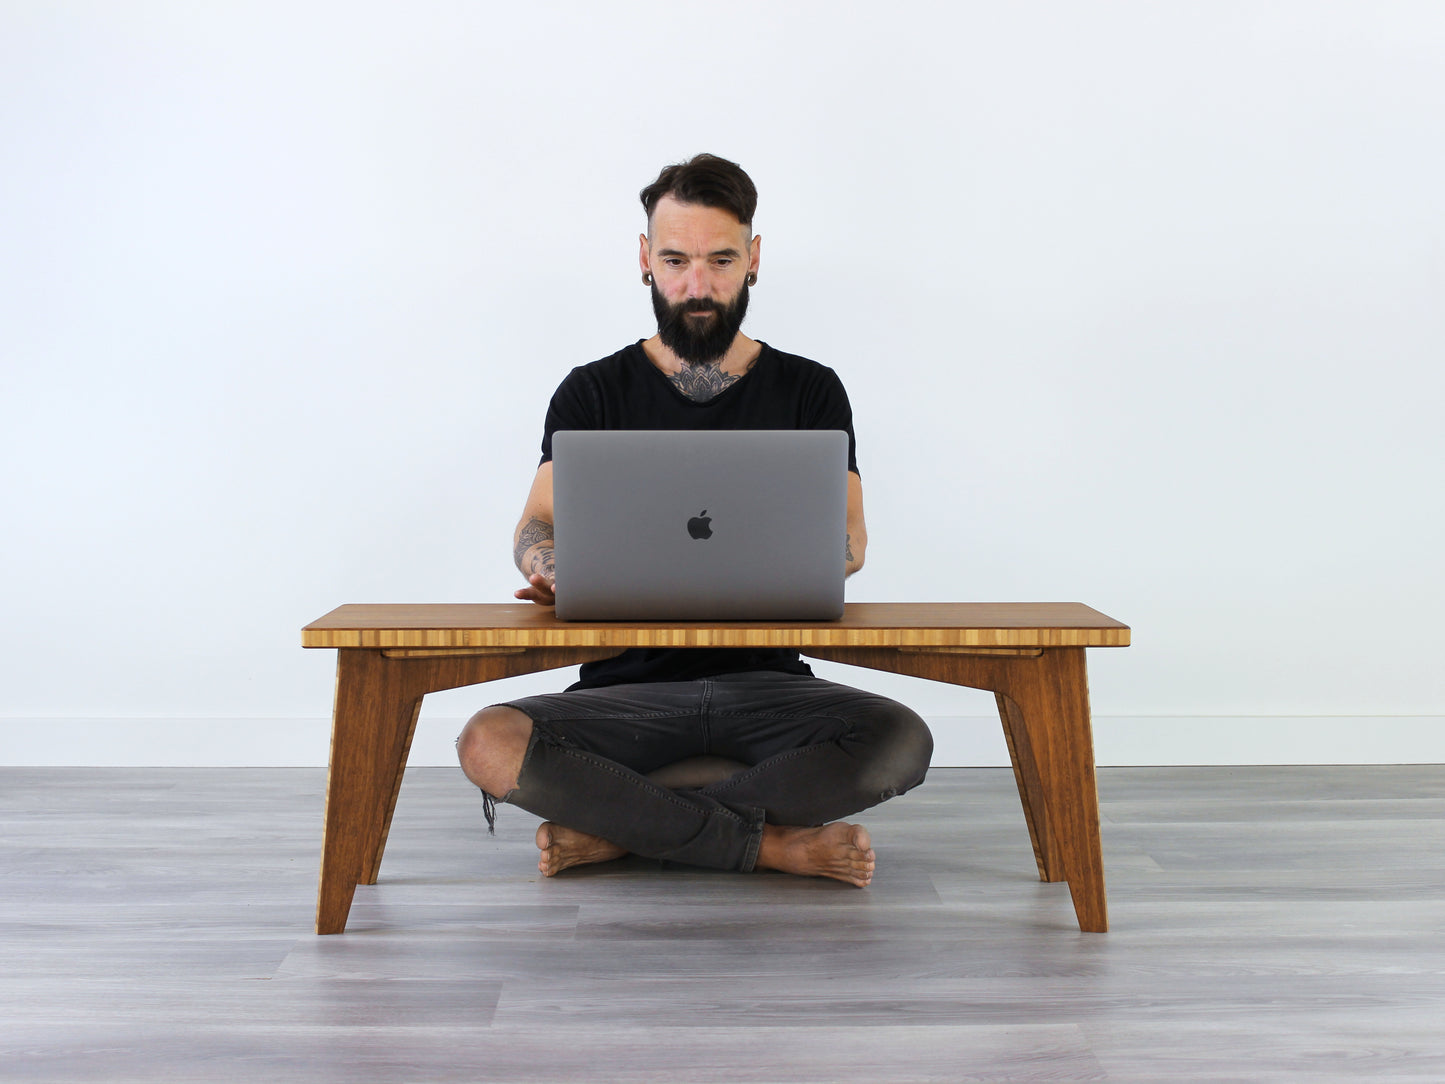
(374,716)
(1031,791)
(378,699)
(1053,698)
(1043,700)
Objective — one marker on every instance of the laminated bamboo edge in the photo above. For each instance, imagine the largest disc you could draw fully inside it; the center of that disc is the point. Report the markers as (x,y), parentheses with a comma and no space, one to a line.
(693,636)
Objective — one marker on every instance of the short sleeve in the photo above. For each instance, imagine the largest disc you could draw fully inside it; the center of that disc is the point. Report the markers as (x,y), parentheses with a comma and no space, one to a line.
(827,407)
(574,405)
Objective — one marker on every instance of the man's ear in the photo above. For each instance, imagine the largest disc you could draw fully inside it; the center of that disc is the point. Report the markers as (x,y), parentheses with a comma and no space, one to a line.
(643,254)
(755,251)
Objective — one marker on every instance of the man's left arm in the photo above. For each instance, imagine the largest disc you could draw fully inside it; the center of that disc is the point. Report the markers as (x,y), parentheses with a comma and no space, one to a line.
(857,529)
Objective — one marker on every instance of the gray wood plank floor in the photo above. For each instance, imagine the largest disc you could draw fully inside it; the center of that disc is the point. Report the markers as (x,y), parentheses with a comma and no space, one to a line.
(1268,924)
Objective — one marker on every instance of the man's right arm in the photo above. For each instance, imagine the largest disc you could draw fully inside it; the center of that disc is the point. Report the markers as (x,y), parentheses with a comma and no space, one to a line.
(532,546)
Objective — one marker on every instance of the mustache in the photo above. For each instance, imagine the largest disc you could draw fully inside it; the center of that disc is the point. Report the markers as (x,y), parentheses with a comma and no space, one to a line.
(700,304)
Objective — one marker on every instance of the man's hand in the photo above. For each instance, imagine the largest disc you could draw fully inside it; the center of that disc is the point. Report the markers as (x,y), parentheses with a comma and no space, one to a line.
(539,589)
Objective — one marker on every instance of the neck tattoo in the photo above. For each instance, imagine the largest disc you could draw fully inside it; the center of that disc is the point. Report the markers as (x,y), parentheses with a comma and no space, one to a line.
(702,382)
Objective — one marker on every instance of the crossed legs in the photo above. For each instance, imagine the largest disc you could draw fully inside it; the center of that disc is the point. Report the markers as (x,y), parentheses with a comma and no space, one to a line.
(817,752)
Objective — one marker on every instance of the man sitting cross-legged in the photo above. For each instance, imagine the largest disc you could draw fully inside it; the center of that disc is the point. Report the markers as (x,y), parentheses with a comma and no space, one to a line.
(813,751)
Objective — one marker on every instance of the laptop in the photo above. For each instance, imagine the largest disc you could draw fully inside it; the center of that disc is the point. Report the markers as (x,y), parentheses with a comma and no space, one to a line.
(700,525)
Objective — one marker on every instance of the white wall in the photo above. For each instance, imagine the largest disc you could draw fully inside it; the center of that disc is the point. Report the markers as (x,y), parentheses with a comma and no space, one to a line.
(1140,304)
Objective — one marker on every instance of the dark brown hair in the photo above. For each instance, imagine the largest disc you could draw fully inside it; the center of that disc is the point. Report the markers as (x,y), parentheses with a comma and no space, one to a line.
(708,180)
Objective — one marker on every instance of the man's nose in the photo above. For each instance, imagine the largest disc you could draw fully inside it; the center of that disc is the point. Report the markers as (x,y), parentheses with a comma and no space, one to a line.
(699,283)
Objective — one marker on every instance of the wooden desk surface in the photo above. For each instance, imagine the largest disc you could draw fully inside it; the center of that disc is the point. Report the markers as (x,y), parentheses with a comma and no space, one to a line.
(864,624)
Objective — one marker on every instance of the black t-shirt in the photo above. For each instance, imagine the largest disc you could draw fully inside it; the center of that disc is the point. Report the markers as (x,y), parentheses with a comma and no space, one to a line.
(626,391)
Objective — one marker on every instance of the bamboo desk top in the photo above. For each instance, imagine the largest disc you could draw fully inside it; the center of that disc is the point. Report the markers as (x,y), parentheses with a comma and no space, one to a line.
(447,627)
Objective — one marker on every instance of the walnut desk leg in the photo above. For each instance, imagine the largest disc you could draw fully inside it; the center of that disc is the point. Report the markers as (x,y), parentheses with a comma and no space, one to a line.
(1043,701)
(378,698)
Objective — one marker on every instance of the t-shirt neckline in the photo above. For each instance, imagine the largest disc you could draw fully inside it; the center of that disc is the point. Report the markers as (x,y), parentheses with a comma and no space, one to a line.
(731,389)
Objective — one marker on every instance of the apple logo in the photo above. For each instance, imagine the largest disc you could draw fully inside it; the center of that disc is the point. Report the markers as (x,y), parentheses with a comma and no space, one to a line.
(698,526)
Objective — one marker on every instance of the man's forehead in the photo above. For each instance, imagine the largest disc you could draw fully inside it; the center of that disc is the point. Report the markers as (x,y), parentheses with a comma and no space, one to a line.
(674,222)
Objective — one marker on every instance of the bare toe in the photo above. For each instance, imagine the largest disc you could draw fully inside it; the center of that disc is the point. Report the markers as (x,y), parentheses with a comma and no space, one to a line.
(561,848)
(843,852)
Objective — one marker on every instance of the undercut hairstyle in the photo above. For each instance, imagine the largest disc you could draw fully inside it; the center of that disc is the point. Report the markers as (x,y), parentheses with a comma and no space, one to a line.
(707,180)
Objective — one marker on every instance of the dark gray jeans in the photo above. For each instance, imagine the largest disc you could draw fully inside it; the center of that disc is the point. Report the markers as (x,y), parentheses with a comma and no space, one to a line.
(817,751)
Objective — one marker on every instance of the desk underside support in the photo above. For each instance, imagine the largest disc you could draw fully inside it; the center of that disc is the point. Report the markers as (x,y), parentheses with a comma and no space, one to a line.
(1043,703)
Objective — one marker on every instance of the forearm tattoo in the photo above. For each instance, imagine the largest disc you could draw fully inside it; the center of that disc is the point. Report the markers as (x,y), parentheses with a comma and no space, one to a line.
(535,531)
(848,547)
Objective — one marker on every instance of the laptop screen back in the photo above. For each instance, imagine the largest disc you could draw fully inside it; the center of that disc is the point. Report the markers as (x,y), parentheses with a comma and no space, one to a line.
(687,525)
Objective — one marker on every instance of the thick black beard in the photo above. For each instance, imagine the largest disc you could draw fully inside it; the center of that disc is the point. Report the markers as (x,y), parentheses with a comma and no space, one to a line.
(699,346)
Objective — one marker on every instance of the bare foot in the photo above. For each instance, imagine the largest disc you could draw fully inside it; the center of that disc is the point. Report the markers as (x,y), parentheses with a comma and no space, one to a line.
(565,847)
(841,851)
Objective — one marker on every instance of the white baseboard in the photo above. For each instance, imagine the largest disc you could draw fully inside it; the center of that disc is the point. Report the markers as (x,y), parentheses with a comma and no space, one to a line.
(1126,741)
(1134,741)
(961,741)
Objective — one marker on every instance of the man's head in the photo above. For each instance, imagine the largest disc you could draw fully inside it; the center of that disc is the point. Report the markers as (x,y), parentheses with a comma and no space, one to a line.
(708,181)
(699,254)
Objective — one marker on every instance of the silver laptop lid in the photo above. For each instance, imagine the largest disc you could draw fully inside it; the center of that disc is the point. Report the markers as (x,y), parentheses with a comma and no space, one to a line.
(686,525)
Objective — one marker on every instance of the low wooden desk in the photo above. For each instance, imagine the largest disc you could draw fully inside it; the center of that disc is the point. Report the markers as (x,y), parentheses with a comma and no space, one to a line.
(1030,655)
